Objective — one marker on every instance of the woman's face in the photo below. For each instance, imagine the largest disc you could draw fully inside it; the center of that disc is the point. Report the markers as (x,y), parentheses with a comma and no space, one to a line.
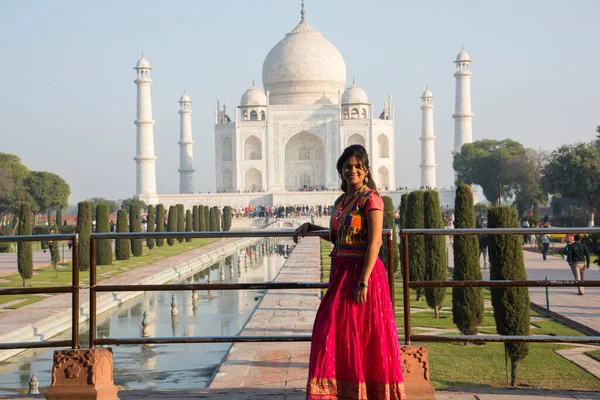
(353,172)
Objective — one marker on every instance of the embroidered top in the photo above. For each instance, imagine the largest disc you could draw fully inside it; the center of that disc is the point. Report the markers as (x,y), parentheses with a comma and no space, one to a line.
(349,233)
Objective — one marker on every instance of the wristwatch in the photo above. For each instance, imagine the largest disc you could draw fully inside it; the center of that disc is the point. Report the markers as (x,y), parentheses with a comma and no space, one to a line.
(362,285)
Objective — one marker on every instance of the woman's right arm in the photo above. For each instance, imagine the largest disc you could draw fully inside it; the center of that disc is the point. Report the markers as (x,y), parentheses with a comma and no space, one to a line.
(306,227)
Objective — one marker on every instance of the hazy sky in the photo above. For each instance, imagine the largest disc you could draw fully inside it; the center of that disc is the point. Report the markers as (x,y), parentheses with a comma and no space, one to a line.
(68,101)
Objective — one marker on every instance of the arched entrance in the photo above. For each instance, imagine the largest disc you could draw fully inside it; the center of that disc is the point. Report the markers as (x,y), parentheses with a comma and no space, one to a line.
(356,139)
(383,178)
(304,162)
(253,180)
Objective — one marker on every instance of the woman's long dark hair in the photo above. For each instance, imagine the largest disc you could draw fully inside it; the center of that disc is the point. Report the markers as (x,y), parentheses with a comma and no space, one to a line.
(357,151)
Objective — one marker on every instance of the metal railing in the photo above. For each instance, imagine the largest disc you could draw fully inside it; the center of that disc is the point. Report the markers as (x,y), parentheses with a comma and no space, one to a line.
(73,289)
(96,288)
(407,285)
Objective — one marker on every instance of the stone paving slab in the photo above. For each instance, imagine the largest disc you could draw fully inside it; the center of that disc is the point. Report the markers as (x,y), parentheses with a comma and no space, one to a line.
(280,312)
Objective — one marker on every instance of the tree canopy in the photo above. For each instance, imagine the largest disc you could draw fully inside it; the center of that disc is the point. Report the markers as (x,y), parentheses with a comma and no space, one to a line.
(48,191)
(490,163)
(573,171)
(126,204)
(113,207)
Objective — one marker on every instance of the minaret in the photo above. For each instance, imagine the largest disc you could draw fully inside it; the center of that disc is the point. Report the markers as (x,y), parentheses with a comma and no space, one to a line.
(427,141)
(186,150)
(463,128)
(145,159)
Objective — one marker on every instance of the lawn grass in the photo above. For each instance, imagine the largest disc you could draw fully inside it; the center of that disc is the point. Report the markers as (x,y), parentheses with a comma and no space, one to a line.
(484,365)
(595,354)
(47,276)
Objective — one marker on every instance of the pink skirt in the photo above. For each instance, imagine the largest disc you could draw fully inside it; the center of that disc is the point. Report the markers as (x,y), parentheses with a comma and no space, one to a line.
(354,351)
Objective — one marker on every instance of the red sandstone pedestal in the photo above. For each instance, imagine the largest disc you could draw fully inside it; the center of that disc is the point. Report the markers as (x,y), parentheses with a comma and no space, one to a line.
(415,370)
(85,374)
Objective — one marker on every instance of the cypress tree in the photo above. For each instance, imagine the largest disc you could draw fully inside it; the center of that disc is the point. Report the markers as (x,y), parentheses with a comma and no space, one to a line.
(104,246)
(160,223)
(55,251)
(180,221)
(24,252)
(226,218)
(217,218)
(511,304)
(135,225)
(151,221)
(188,224)
(59,219)
(403,204)
(207,218)
(122,246)
(467,303)
(84,229)
(389,223)
(213,220)
(435,252)
(172,224)
(416,243)
(201,219)
(195,219)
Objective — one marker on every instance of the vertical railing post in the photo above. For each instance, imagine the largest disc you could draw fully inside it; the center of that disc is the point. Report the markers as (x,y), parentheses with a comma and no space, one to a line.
(391,267)
(92,340)
(75,292)
(406,288)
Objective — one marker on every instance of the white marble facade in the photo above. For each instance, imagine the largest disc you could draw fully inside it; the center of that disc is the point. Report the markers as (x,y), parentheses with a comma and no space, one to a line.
(289,137)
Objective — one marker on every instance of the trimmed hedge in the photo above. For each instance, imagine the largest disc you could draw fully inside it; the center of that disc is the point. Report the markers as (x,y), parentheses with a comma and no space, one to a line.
(467,303)
(104,246)
(135,225)
(511,304)
(188,224)
(416,243)
(435,252)
(160,223)
(180,221)
(150,222)
(84,229)
(122,246)
(24,252)
(226,218)
(195,219)
(172,224)
(201,219)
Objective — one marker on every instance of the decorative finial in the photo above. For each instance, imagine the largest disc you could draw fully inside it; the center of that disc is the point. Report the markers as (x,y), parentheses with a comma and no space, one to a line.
(142,53)
(462,47)
(302,12)
(252,81)
(354,79)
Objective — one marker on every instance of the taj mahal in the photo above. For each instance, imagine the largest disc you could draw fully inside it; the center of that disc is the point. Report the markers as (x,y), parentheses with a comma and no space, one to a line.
(280,145)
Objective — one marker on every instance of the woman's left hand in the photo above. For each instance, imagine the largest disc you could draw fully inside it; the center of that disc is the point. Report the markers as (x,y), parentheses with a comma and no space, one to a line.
(360,295)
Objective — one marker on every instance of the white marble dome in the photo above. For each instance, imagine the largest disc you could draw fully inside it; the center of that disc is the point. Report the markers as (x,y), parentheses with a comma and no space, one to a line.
(302,67)
(253,97)
(354,94)
(427,93)
(462,56)
(142,63)
(185,97)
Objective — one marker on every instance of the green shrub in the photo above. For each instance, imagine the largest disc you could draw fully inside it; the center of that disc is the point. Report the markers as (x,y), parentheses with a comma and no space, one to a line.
(54,250)
(435,252)
(415,218)
(172,223)
(180,221)
(188,224)
(389,223)
(104,246)
(226,218)
(201,219)
(195,219)
(467,303)
(24,252)
(160,223)
(122,246)
(135,225)
(213,219)
(207,218)
(84,229)
(511,304)
(150,222)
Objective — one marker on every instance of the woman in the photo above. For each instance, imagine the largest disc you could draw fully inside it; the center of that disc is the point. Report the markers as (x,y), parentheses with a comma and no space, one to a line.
(545,239)
(354,352)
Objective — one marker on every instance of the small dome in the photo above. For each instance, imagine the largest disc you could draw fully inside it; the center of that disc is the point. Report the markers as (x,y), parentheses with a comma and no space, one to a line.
(185,97)
(142,63)
(427,93)
(354,94)
(462,56)
(253,97)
